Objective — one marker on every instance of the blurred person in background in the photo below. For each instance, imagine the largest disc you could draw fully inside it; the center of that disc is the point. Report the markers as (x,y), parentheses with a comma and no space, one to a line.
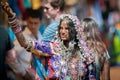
(71,7)
(96,45)
(23,7)
(31,32)
(92,8)
(8,56)
(7,52)
(53,10)
(114,31)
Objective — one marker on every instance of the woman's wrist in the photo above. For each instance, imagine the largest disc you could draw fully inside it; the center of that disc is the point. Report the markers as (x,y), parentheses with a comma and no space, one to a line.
(12,17)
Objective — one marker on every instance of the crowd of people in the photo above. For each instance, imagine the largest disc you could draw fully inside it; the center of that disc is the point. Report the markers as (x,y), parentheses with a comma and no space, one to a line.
(69,48)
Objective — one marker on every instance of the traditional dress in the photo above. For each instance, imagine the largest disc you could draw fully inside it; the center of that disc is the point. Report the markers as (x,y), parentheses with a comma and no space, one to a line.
(63,65)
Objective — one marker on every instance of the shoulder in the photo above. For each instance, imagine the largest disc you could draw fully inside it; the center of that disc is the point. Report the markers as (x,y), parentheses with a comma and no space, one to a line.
(54,23)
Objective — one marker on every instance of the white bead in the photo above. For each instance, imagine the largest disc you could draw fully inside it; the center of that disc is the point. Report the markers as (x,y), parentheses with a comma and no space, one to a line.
(73,66)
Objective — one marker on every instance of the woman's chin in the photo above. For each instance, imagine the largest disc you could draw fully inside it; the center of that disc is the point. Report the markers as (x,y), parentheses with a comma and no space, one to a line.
(63,39)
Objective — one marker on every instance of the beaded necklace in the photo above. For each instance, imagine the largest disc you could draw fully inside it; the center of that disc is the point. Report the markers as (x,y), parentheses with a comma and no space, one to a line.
(67,56)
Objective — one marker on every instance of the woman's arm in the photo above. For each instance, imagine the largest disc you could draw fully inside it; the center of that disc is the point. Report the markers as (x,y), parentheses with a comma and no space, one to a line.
(105,73)
(16,28)
(40,53)
(14,24)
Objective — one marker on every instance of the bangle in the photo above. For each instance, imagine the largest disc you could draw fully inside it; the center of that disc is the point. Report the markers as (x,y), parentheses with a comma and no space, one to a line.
(13,17)
(16,29)
(13,21)
(13,25)
(28,48)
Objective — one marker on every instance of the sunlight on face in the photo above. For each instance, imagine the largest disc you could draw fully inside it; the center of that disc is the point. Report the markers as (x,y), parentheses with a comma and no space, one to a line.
(64,31)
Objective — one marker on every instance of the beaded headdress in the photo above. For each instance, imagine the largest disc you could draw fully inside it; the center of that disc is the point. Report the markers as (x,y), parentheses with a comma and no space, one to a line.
(80,34)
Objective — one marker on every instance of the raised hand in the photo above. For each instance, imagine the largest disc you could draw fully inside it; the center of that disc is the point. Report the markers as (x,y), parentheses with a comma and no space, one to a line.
(5,6)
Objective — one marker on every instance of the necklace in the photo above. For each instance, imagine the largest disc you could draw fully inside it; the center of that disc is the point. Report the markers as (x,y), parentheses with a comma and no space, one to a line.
(66,54)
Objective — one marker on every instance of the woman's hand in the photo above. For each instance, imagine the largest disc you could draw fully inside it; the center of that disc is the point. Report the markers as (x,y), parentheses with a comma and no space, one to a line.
(5,6)
(39,53)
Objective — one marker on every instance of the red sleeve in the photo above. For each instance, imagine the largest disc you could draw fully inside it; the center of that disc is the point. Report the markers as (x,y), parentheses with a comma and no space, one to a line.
(21,6)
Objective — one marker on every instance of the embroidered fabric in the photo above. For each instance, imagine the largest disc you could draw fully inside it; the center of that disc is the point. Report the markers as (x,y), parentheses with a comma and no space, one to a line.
(65,65)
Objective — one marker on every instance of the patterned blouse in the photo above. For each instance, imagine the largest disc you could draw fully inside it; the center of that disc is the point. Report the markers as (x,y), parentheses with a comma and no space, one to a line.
(63,65)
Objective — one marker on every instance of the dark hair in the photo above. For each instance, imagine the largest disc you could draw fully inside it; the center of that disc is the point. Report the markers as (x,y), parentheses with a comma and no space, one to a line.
(72,33)
(37,13)
(58,3)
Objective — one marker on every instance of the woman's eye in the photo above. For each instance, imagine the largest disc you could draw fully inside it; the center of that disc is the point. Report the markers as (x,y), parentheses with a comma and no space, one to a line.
(61,27)
(66,28)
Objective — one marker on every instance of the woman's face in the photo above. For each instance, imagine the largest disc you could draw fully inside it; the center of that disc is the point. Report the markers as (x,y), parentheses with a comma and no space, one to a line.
(64,31)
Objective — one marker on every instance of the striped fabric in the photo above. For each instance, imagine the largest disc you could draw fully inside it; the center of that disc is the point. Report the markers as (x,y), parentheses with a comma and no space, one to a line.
(50,31)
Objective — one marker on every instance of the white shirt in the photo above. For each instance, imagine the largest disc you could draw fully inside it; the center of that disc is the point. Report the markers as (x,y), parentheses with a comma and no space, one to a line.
(25,57)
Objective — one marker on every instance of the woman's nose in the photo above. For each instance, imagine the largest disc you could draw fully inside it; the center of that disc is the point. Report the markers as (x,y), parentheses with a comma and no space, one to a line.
(64,31)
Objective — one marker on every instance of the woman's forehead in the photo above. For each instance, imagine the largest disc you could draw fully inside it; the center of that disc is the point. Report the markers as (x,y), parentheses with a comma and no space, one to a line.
(64,24)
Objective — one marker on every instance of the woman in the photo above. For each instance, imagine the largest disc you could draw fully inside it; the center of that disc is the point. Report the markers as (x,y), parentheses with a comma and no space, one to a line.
(94,41)
(68,58)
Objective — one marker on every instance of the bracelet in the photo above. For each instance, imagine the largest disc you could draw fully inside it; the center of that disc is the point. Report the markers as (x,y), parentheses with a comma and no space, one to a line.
(16,29)
(13,17)
(13,25)
(28,48)
(13,21)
